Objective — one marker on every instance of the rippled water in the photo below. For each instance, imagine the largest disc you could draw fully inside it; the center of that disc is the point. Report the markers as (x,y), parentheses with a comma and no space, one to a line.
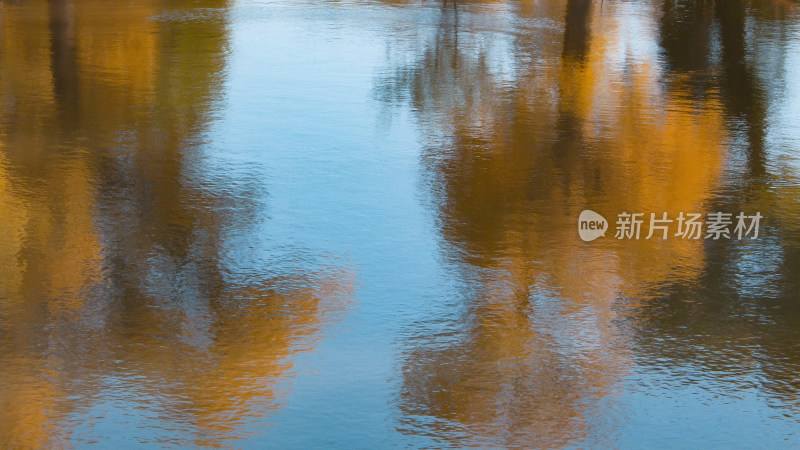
(353,223)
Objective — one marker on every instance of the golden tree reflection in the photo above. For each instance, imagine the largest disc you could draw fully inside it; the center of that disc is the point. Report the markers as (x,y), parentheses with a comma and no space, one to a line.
(118,284)
(537,350)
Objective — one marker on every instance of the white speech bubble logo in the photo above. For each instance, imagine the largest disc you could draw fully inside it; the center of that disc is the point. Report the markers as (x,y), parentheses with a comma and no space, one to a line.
(591,225)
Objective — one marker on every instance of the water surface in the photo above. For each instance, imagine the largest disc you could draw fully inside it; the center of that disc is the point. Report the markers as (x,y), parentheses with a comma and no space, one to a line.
(353,223)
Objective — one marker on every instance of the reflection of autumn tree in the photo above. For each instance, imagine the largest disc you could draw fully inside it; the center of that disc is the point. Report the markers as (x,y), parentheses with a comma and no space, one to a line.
(49,196)
(745,303)
(511,164)
(118,234)
(686,31)
(220,366)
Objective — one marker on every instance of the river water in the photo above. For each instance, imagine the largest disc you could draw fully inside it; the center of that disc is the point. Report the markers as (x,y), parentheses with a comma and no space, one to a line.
(354,224)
